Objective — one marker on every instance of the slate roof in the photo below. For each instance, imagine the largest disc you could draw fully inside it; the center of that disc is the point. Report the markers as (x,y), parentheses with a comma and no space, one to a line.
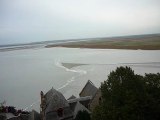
(79,104)
(79,107)
(88,90)
(7,115)
(72,97)
(55,100)
(87,98)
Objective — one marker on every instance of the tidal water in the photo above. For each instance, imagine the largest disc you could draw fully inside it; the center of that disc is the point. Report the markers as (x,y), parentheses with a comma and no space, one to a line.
(24,73)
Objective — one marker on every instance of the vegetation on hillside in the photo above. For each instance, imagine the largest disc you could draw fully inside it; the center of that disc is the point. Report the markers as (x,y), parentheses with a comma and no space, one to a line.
(83,115)
(146,42)
(128,96)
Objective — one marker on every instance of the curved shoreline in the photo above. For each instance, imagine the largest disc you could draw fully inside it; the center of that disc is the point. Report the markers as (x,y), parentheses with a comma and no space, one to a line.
(142,47)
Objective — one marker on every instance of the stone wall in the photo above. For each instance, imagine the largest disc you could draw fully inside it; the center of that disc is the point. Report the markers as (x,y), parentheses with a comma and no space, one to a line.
(95,101)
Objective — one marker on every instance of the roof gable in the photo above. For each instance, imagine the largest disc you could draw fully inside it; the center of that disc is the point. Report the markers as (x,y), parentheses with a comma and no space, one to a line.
(55,100)
(72,97)
(88,90)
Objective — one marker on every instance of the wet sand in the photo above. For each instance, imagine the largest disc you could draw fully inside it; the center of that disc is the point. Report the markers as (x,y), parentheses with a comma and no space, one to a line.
(72,65)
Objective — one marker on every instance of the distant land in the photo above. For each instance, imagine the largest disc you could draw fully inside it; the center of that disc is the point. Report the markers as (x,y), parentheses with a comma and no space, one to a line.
(145,42)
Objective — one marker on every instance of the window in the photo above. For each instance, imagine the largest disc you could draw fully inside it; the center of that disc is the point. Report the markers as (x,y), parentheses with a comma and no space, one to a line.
(60,112)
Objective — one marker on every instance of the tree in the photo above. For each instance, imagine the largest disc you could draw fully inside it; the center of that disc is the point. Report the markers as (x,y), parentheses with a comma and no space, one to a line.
(153,96)
(83,115)
(128,96)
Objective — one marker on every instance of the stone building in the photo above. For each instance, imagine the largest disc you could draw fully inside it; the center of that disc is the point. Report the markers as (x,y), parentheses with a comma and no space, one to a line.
(91,90)
(33,115)
(88,90)
(79,104)
(95,100)
(54,106)
(5,116)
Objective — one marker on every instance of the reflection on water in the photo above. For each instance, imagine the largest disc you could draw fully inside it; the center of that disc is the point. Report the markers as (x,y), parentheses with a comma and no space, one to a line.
(24,73)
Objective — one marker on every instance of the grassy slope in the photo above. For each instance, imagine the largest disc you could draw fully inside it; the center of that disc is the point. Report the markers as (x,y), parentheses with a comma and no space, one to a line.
(150,42)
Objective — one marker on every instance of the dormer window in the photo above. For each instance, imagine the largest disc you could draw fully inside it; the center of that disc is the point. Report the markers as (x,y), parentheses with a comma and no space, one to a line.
(100,100)
(60,112)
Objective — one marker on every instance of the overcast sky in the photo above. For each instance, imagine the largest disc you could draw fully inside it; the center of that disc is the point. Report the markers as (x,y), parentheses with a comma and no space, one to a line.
(40,20)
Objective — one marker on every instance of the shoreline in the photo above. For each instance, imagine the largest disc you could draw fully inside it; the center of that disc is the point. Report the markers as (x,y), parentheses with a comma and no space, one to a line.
(141,47)
(143,42)
(134,42)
